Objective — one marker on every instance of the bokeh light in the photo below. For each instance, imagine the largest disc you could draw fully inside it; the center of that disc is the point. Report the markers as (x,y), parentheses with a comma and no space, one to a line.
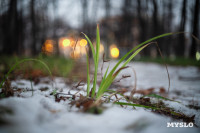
(48,47)
(114,51)
(83,42)
(66,42)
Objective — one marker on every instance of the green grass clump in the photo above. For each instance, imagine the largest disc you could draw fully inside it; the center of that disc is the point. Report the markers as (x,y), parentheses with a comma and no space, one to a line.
(108,78)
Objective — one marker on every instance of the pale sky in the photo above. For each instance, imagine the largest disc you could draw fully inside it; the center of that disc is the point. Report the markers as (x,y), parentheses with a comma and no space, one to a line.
(71,11)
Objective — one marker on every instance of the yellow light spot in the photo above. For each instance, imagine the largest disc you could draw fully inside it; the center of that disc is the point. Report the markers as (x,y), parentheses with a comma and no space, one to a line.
(197,56)
(66,42)
(115,52)
(83,42)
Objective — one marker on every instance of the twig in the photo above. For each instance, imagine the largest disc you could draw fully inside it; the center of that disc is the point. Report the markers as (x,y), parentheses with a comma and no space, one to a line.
(135,85)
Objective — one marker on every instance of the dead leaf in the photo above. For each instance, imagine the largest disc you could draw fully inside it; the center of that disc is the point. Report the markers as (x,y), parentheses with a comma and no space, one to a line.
(145,92)
(162,90)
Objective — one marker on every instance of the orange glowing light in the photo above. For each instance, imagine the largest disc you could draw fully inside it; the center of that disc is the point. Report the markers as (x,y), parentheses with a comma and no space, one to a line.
(114,52)
(66,42)
(83,42)
(48,47)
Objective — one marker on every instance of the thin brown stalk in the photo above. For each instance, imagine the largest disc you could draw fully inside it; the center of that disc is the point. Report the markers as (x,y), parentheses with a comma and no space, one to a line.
(169,83)
(135,85)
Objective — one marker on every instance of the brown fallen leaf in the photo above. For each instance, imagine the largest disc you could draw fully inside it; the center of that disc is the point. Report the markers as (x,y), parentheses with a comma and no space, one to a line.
(146,91)
(162,90)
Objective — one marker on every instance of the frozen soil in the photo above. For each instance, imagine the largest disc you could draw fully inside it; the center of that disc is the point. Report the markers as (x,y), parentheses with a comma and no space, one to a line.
(34,110)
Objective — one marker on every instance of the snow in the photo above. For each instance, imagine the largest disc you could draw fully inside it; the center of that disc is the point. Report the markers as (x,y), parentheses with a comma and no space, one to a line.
(33,115)
(40,113)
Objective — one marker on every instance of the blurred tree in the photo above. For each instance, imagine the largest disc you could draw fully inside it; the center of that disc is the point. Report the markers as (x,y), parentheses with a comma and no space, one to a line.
(143,23)
(180,46)
(11,29)
(33,27)
(155,28)
(84,6)
(168,22)
(107,8)
(195,28)
(124,35)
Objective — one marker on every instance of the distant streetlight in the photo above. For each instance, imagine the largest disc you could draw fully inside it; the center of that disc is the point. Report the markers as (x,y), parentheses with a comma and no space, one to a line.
(66,42)
(48,47)
(83,42)
(114,51)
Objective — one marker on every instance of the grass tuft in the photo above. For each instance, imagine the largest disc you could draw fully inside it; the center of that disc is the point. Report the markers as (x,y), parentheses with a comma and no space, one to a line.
(108,78)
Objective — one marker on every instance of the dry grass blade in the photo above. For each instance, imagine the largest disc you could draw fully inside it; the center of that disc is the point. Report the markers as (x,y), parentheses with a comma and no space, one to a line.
(75,47)
(104,58)
(123,77)
(117,72)
(79,84)
(165,66)
(135,85)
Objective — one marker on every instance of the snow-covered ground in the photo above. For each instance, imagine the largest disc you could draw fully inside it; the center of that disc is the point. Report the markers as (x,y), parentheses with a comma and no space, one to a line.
(39,113)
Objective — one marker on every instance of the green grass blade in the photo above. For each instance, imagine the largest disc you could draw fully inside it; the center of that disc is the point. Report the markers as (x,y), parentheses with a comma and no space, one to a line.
(97,44)
(136,47)
(136,105)
(160,97)
(91,46)
(20,62)
(104,77)
(140,45)
(97,61)
(108,81)
(88,73)
(135,53)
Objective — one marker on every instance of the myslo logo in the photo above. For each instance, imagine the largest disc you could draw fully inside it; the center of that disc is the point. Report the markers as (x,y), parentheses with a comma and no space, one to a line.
(179,124)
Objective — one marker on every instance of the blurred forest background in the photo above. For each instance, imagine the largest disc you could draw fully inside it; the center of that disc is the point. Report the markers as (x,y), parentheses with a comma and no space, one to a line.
(25,25)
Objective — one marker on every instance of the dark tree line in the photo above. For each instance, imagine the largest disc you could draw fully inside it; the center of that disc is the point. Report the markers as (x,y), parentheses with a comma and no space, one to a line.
(25,24)
(195,27)
(143,19)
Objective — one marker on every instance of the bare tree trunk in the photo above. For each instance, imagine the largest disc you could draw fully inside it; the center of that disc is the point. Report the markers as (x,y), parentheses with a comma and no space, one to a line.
(10,29)
(84,4)
(55,36)
(168,45)
(143,31)
(180,48)
(155,26)
(107,8)
(195,28)
(21,33)
(108,31)
(33,28)
(126,24)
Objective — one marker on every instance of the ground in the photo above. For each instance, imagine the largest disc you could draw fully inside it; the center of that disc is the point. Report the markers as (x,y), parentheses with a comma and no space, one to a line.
(32,109)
